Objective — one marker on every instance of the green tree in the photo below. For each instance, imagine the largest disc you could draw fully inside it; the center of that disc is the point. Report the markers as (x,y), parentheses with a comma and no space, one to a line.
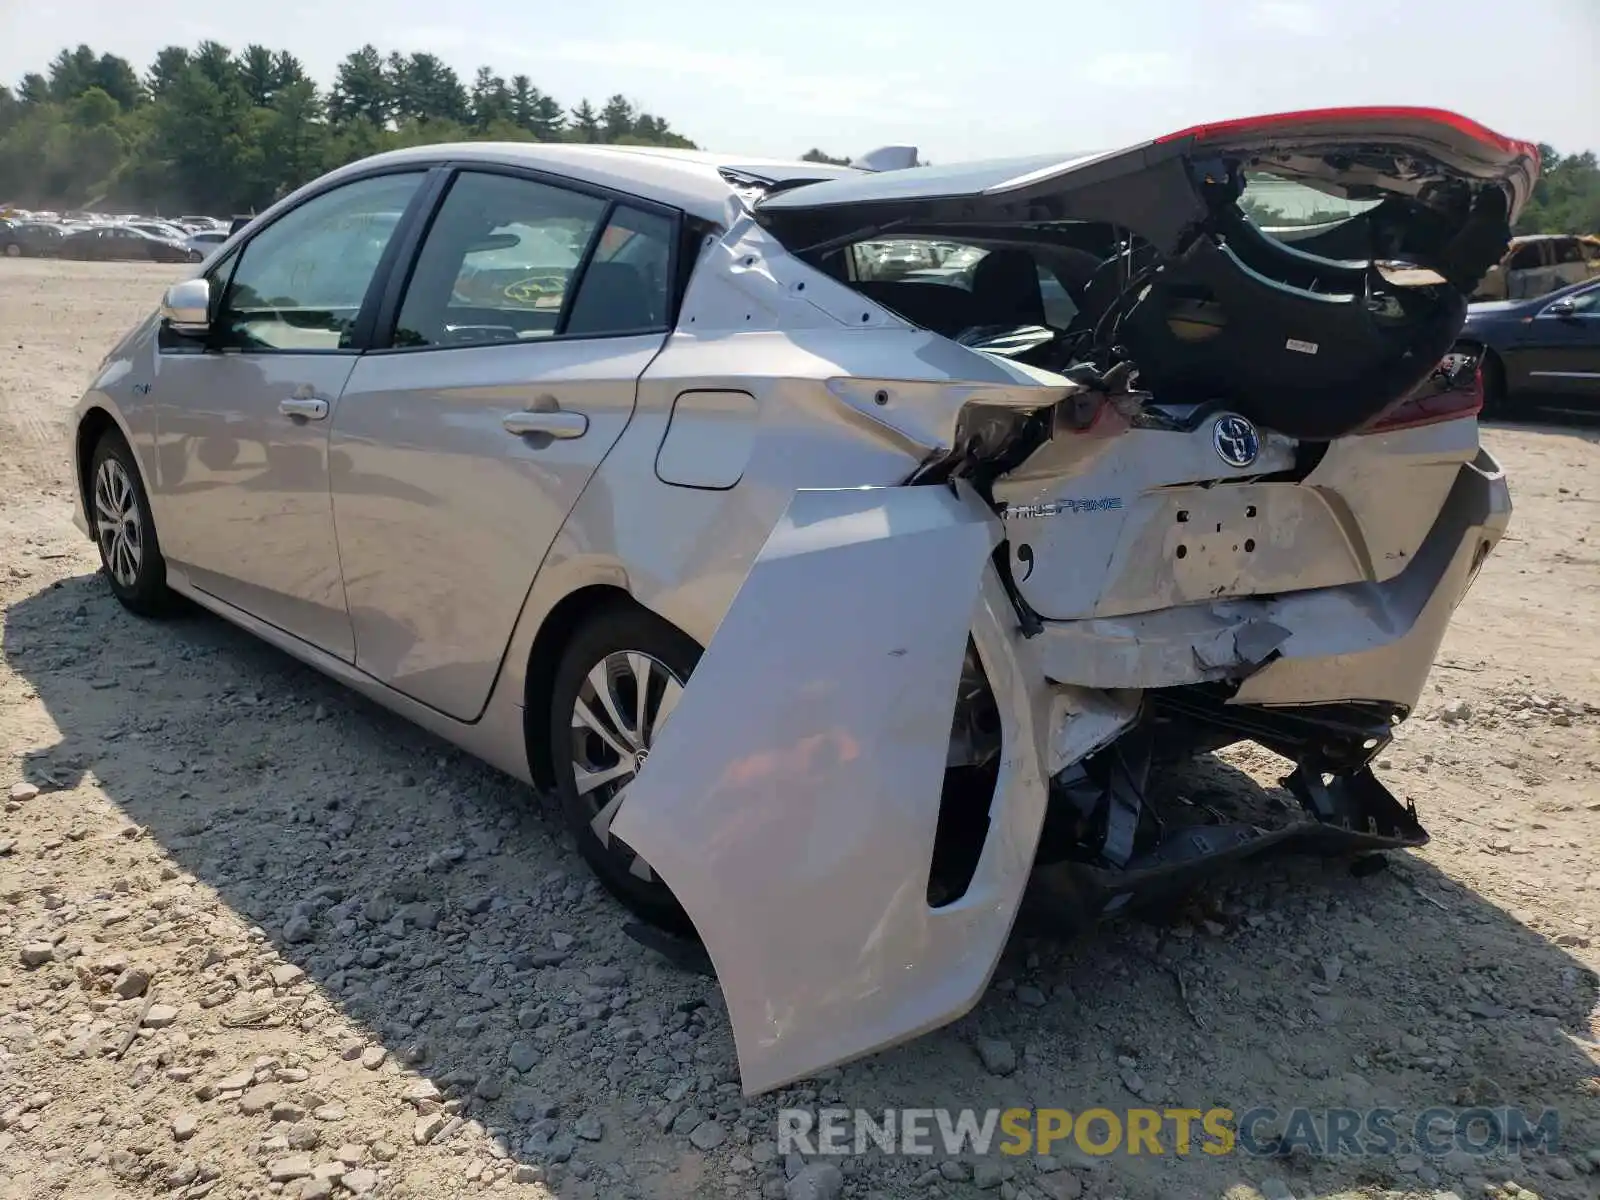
(427,90)
(94,108)
(215,62)
(548,118)
(258,74)
(116,77)
(520,98)
(817,156)
(171,62)
(491,100)
(34,89)
(72,72)
(616,119)
(1567,197)
(294,140)
(202,132)
(208,130)
(288,69)
(361,89)
(584,124)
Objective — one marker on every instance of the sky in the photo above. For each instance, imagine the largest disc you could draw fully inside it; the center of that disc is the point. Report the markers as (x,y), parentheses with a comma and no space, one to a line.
(958,80)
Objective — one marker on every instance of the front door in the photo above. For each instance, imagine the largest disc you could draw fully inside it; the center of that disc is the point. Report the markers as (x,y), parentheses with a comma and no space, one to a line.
(458,452)
(243,418)
(1560,352)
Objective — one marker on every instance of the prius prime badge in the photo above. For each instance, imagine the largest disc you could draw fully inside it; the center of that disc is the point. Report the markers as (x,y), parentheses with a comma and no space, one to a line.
(1236,440)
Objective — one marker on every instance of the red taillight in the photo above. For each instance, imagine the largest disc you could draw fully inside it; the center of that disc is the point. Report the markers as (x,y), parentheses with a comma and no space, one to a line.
(1443,397)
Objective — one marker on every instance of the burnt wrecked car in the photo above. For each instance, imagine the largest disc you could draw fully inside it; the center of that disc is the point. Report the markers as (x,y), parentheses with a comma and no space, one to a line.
(831,610)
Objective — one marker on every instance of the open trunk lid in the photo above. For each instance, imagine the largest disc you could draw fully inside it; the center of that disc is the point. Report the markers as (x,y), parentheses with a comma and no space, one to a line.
(1314,338)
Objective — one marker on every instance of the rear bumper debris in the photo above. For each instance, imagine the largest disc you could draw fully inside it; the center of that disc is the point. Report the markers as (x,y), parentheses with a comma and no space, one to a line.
(1349,814)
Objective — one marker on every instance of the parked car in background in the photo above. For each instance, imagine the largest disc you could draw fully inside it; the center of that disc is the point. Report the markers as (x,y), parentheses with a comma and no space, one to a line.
(1539,263)
(165,230)
(206,240)
(1540,352)
(121,242)
(29,239)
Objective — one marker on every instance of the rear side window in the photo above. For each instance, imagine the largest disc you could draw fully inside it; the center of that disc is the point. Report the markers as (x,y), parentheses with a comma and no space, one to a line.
(503,258)
(627,285)
(1569,251)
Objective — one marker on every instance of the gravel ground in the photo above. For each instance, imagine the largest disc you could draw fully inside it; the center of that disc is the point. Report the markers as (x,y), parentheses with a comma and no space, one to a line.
(258,938)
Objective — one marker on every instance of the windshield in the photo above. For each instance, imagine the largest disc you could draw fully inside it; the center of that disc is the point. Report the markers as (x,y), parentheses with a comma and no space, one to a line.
(1274,203)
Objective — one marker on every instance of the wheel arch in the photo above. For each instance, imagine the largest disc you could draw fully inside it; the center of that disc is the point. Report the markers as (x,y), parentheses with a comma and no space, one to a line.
(565,618)
(93,425)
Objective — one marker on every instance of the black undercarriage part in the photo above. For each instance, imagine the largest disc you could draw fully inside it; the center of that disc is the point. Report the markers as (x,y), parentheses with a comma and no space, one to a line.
(1105,844)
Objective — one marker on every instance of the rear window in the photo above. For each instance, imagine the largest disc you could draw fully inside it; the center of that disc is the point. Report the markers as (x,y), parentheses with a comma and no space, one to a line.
(940,263)
(1274,203)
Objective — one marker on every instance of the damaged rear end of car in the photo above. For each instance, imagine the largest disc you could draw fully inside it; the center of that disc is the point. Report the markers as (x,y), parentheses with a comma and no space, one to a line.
(1176,483)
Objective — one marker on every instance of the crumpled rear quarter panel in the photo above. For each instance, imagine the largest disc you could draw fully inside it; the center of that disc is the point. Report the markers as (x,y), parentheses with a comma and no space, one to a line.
(792,801)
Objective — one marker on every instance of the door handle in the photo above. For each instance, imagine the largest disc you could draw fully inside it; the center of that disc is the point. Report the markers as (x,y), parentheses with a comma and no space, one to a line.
(552,424)
(304,408)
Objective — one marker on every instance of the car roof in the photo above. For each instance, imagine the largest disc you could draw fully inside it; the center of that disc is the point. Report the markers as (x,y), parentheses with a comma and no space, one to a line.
(692,180)
(1513,307)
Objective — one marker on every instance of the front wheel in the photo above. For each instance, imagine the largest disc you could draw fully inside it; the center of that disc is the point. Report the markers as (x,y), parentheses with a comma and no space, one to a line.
(617,684)
(13,250)
(119,514)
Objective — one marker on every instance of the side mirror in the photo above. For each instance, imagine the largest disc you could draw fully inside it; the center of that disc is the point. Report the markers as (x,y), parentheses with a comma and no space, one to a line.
(186,307)
(1562,308)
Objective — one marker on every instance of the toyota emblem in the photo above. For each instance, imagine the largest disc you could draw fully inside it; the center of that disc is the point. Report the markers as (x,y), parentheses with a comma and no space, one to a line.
(1236,440)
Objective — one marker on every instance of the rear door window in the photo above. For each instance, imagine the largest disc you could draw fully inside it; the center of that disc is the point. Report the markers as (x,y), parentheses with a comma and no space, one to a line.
(505,262)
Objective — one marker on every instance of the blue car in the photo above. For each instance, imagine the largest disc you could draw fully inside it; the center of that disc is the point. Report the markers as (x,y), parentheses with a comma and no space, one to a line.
(1543,352)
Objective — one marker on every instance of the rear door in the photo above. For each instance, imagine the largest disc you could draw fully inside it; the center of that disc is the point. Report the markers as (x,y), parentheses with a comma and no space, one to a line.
(458,450)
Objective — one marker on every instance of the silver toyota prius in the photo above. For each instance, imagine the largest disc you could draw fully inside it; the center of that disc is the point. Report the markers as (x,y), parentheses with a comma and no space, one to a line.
(845,551)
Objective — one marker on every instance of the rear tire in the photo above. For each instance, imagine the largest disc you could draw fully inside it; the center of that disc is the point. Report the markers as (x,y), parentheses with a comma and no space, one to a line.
(1495,405)
(118,512)
(598,743)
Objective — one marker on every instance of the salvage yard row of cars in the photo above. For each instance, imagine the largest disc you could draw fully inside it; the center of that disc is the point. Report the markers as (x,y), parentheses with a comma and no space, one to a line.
(126,238)
(843,614)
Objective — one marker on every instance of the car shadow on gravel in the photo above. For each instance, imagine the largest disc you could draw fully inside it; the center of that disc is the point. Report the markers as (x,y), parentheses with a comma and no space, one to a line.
(1550,417)
(444,922)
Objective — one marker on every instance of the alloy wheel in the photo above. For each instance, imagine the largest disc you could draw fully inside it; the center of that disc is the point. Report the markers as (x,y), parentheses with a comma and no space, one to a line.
(621,706)
(119,525)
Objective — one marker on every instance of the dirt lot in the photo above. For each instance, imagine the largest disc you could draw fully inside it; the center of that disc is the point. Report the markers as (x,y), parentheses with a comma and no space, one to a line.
(358,963)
